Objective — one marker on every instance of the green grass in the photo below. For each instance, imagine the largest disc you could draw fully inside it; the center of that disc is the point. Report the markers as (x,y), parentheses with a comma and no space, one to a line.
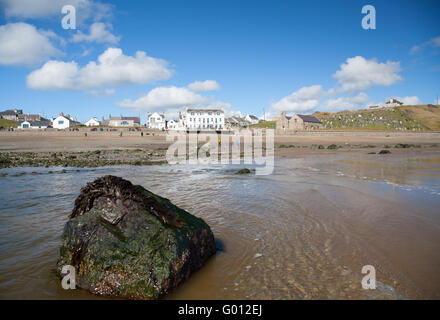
(405,118)
(8,123)
(264,124)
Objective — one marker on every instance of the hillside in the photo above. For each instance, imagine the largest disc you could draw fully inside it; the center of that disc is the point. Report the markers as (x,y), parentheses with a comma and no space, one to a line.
(264,124)
(404,118)
(8,123)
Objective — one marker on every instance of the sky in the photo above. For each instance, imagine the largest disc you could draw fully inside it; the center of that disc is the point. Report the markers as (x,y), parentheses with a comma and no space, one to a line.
(249,57)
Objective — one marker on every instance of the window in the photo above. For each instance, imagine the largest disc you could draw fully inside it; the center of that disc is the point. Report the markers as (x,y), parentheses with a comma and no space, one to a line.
(60,121)
(192,113)
(210,113)
(158,119)
(218,113)
(124,123)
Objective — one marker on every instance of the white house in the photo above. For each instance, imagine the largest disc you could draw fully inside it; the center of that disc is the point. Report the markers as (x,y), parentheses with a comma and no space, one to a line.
(122,121)
(93,122)
(393,103)
(64,122)
(204,119)
(175,125)
(156,121)
(252,119)
(42,124)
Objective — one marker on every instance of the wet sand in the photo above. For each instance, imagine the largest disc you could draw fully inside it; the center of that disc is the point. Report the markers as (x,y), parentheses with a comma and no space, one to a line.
(56,141)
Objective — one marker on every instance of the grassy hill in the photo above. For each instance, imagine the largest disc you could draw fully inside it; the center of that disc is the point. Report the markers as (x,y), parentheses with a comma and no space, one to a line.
(8,123)
(404,118)
(429,115)
(264,124)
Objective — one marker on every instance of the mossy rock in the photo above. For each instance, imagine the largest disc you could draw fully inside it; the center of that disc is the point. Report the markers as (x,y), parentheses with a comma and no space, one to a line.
(125,241)
(332,147)
(384,152)
(243,171)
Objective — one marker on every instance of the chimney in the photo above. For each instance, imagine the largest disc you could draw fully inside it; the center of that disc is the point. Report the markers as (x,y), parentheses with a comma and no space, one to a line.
(61,114)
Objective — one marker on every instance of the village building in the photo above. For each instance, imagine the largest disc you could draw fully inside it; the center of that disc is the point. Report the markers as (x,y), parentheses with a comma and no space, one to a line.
(121,121)
(11,114)
(252,119)
(156,121)
(64,122)
(40,124)
(174,125)
(93,122)
(204,119)
(393,103)
(297,122)
(29,117)
(236,122)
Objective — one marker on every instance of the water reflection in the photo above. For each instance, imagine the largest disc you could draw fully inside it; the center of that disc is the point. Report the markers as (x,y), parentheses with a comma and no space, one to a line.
(303,232)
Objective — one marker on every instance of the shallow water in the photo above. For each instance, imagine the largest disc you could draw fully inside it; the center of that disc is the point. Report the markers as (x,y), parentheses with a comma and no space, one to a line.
(303,232)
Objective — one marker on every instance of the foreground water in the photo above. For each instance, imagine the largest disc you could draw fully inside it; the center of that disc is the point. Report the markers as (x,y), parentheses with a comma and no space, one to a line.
(303,232)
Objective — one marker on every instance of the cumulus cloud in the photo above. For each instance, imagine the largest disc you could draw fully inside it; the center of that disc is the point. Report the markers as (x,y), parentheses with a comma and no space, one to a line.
(345,103)
(410,101)
(112,69)
(99,33)
(23,44)
(46,8)
(207,85)
(303,100)
(161,98)
(359,74)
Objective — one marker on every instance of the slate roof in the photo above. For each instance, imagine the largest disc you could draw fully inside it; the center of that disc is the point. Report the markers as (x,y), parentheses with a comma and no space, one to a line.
(310,119)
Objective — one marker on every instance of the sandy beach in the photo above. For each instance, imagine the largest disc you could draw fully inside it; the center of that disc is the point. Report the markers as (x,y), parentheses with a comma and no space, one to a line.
(58,141)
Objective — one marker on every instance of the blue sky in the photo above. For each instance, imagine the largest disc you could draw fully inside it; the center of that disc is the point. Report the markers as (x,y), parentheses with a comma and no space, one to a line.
(298,56)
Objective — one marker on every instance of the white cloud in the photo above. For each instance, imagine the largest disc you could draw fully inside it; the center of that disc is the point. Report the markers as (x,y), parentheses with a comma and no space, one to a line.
(46,8)
(360,74)
(23,44)
(345,103)
(207,85)
(303,100)
(99,32)
(409,101)
(112,69)
(433,42)
(162,98)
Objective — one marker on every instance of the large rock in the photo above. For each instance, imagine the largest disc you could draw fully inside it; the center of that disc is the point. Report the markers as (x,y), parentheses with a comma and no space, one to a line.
(126,241)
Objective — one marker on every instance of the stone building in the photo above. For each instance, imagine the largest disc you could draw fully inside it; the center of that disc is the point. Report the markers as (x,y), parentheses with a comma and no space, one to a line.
(297,122)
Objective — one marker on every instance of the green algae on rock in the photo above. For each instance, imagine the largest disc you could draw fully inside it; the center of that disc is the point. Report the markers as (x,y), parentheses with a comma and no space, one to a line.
(126,241)
(243,171)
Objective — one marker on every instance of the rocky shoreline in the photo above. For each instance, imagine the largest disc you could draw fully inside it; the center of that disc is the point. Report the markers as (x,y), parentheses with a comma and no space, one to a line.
(90,159)
(140,157)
